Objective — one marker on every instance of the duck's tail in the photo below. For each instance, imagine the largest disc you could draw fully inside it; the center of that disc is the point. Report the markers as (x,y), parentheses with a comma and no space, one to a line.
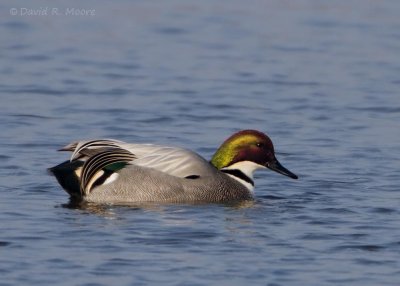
(91,164)
(68,176)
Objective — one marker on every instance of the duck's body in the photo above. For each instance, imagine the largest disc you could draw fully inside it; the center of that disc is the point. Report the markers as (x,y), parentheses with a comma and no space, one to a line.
(154,186)
(110,171)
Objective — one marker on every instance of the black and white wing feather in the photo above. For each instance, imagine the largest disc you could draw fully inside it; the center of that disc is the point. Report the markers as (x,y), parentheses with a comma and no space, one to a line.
(93,168)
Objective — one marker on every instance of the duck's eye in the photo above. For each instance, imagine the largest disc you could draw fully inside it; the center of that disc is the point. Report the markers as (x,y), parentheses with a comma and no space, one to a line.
(260,145)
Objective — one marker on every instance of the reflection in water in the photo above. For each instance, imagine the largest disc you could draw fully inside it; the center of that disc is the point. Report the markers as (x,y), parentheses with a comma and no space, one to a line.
(98,209)
(107,209)
(241,204)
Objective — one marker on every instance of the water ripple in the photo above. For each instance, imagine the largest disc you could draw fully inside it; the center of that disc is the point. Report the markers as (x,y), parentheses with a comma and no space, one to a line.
(363,247)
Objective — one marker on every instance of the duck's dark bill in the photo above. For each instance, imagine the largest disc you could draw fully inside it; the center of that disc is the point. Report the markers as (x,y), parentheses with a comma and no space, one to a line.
(277,167)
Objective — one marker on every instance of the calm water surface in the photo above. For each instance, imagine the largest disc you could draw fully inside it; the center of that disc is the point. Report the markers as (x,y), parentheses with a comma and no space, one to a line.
(322,79)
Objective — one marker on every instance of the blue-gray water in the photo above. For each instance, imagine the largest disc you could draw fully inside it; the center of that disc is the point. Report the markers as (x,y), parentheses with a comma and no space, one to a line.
(321,78)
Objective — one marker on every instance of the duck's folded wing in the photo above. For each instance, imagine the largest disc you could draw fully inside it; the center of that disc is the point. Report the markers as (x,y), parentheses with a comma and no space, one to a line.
(174,161)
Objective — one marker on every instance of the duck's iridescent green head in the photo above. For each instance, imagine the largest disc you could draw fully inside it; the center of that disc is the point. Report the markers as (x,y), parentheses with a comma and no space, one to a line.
(251,146)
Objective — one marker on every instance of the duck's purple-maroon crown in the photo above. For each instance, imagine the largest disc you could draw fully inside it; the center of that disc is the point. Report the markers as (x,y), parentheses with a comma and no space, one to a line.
(248,136)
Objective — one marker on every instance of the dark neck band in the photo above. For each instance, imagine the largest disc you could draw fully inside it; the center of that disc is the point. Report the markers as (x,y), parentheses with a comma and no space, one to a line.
(239,174)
